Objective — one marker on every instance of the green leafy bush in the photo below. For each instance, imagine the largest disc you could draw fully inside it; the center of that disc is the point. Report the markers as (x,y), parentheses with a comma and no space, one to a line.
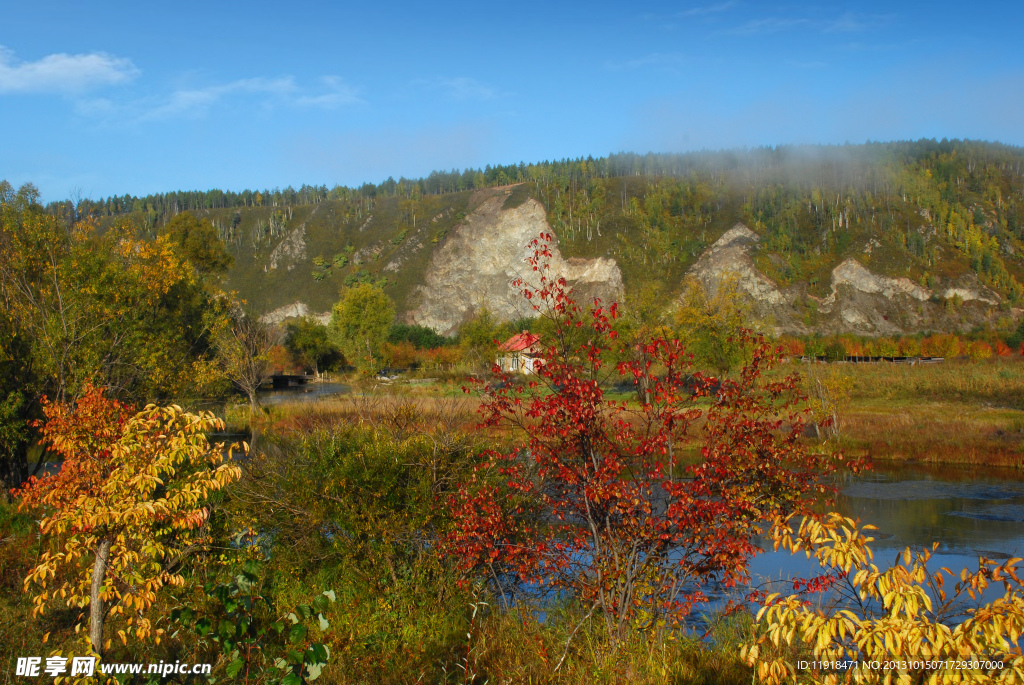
(257,644)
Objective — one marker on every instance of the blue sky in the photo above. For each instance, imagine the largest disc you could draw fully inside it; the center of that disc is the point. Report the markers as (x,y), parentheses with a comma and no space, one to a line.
(130,97)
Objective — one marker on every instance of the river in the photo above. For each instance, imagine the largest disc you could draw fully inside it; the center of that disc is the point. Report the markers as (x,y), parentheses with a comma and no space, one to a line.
(970,511)
(302,393)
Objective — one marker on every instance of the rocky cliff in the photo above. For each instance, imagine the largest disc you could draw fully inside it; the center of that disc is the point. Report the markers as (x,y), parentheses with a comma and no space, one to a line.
(443,258)
(480,258)
(860,301)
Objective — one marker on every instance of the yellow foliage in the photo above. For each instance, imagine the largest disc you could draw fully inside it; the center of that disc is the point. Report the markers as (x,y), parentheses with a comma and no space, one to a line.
(135,485)
(709,321)
(899,633)
(829,393)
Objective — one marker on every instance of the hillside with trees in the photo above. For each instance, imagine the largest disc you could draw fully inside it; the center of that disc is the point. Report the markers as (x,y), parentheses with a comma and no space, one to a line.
(927,210)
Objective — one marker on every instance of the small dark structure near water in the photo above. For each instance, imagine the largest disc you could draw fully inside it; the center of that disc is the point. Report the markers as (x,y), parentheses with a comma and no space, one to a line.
(282,381)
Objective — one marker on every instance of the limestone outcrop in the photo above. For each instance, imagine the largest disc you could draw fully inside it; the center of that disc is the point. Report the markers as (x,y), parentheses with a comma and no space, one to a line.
(730,257)
(478,261)
(860,300)
(854,274)
(294,310)
(289,251)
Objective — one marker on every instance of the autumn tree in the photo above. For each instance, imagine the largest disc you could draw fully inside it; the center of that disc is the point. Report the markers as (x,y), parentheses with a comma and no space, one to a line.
(917,624)
(81,305)
(359,324)
(126,509)
(244,344)
(197,241)
(710,320)
(593,497)
(644,317)
(478,338)
(309,340)
(16,408)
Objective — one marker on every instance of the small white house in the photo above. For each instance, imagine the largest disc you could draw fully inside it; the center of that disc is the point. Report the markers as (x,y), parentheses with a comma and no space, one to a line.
(520,354)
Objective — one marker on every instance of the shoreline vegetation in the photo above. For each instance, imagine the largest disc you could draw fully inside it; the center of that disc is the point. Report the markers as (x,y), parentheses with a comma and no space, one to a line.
(961,412)
(400,617)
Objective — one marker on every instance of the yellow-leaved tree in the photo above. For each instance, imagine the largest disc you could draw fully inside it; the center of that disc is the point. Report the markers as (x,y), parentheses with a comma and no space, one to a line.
(709,319)
(129,504)
(904,624)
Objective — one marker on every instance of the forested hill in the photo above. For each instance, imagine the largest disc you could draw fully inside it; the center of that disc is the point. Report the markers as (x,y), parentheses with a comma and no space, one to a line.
(929,211)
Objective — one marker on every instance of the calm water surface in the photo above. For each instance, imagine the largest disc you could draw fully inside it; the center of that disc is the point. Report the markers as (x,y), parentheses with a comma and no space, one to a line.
(971,512)
(303,393)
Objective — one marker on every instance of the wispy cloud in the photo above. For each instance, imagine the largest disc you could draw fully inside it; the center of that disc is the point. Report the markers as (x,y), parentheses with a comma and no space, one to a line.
(848,22)
(668,60)
(335,93)
(716,8)
(460,88)
(853,23)
(858,46)
(197,103)
(63,73)
(769,25)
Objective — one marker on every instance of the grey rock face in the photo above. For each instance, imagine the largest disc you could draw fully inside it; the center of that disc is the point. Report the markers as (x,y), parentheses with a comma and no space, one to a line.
(860,302)
(729,257)
(475,266)
(852,273)
(290,250)
(294,310)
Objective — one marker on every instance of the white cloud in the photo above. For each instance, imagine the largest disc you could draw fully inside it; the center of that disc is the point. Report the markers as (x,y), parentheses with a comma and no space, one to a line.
(63,73)
(196,103)
(336,93)
(460,88)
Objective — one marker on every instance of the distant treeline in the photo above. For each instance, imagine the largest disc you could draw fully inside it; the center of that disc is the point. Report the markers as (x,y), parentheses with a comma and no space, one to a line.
(861,167)
(924,209)
(978,345)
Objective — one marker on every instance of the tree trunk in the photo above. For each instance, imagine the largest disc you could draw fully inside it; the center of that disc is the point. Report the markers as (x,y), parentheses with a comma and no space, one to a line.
(99,573)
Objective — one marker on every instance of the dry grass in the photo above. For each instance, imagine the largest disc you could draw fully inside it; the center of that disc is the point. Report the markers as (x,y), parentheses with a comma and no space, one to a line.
(514,647)
(999,382)
(953,413)
(938,433)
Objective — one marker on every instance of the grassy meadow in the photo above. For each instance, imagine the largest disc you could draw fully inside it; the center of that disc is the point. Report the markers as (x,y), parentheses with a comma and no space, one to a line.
(959,412)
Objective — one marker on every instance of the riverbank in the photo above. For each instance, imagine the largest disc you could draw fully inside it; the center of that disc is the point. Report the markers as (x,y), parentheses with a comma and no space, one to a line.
(343,496)
(349,494)
(958,413)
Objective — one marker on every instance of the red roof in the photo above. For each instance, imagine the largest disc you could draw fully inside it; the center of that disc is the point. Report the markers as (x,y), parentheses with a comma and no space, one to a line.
(520,342)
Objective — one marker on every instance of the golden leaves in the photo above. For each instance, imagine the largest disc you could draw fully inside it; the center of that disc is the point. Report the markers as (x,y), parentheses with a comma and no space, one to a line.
(908,636)
(107,490)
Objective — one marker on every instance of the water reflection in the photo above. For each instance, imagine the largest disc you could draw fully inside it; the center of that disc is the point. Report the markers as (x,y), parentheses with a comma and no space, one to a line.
(303,393)
(971,512)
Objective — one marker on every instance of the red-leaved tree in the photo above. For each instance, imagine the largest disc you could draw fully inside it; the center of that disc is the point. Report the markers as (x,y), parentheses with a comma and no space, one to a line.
(597,499)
